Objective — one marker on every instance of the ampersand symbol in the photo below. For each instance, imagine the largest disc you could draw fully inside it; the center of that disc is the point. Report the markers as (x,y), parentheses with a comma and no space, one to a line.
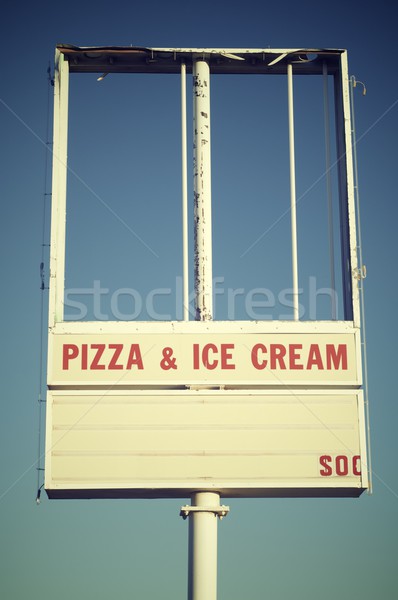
(168,361)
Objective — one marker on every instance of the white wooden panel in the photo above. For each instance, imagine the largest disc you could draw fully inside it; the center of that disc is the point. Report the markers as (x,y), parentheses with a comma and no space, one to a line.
(225,440)
(274,359)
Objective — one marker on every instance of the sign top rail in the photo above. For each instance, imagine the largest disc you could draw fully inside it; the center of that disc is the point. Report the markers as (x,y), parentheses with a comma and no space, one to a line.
(136,59)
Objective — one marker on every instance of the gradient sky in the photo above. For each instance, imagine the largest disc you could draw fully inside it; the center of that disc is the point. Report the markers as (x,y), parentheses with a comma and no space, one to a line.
(279,549)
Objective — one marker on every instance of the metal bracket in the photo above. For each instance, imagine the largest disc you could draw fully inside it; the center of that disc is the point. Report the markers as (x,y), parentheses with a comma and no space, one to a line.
(218,511)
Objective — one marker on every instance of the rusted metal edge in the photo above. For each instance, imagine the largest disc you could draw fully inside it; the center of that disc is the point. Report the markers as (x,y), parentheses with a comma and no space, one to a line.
(137,59)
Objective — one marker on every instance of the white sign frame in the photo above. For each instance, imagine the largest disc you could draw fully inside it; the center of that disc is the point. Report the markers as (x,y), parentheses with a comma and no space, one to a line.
(73,59)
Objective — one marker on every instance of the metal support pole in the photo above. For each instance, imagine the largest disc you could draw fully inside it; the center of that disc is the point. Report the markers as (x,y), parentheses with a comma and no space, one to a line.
(202,191)
(202,550)
(59,180)
(293,192)
(202,555)
(368,466)
(185,278)
(329,188)
(205,506)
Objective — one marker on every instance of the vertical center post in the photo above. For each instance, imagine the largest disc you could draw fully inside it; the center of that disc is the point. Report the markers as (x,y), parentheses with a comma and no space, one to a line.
(202,192)
(202,546)
(205,506)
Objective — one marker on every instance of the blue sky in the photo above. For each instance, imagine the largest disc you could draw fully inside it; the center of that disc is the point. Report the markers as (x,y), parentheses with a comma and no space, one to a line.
(280,549)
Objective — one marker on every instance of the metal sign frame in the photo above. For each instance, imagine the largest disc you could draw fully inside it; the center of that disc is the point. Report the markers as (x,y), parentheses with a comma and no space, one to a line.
(202,62)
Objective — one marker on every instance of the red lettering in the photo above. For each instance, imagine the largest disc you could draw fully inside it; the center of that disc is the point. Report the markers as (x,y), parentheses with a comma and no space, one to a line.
(227,356)
(196,356)
(95,365)
(324,462)
(84,356)
(255,361)
(295,356)
(356,465)
(278,353)
(341,465)
(314,358)
(337,357)
(69,352)
(113,364)
(135,358)
(205,356)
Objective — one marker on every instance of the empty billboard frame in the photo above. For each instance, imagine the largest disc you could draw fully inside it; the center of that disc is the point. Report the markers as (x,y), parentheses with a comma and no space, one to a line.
(242,408)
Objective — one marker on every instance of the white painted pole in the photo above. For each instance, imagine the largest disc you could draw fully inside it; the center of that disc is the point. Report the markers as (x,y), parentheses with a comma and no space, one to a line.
(185,276)
(367,463)
(202,192)
(202,567)
(202,562)
(329,189)
(349,189)
(293,192)
(59,180)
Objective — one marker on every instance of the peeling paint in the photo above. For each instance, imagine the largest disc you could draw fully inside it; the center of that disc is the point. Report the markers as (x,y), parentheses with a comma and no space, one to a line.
(202,193)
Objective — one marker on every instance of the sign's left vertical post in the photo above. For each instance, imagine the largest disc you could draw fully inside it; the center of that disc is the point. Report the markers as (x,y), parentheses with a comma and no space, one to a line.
(58,224)
(58,198)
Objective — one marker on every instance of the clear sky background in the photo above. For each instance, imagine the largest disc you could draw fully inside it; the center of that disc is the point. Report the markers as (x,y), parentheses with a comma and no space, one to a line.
(124,149)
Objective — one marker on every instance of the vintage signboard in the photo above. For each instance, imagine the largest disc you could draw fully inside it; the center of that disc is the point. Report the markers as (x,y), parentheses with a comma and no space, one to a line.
(198,356)
(173,407)
(167,409)
(113,443)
